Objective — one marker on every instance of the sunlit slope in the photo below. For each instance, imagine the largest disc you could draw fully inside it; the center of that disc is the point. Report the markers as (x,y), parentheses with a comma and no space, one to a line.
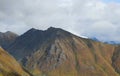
(9,66)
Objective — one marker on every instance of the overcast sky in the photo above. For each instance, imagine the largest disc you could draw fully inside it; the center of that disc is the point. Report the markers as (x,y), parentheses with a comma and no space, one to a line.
(91,18)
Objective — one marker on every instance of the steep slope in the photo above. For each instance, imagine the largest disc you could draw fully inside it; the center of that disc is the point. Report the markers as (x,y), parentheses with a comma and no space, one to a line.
(116,59)
(9,66)
(55,52)
(7,38)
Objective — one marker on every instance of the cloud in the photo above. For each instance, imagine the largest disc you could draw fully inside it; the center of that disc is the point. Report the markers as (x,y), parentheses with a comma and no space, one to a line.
(92,18)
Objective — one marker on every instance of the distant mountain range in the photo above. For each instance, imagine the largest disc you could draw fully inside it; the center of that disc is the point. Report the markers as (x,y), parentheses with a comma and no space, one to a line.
(107,42)
(56,52)
(7,38)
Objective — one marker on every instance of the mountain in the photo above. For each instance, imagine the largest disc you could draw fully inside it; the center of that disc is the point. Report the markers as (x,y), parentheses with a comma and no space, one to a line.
(56,52)
(9,66)
(95,39)
(106,42)
(113,42)
(7,38)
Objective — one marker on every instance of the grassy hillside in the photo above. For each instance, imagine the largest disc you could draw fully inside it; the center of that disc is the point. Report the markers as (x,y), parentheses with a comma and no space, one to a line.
(9,66)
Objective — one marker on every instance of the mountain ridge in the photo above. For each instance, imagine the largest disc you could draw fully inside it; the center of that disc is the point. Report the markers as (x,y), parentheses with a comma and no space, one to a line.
(56,52)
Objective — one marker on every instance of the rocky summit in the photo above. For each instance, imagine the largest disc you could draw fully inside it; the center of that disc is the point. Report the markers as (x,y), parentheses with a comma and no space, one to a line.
(56,52)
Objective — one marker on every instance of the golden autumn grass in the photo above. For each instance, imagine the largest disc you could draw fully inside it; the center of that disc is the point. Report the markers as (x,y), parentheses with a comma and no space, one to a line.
(88,58)
(9,66)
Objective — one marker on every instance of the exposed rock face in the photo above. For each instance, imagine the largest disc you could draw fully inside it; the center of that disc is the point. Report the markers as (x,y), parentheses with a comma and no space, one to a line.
(7,38)
(55,52)
(9,66)
(31,41)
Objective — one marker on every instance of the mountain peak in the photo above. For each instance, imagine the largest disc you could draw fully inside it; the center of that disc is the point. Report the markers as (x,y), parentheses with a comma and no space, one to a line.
(58,32)
(7,33)
(10,33)
(32,30)
(51,31)
(51,27)
(54,29)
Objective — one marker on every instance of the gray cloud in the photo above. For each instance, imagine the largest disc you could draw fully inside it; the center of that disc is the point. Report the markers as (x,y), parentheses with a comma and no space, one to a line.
(92,18)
